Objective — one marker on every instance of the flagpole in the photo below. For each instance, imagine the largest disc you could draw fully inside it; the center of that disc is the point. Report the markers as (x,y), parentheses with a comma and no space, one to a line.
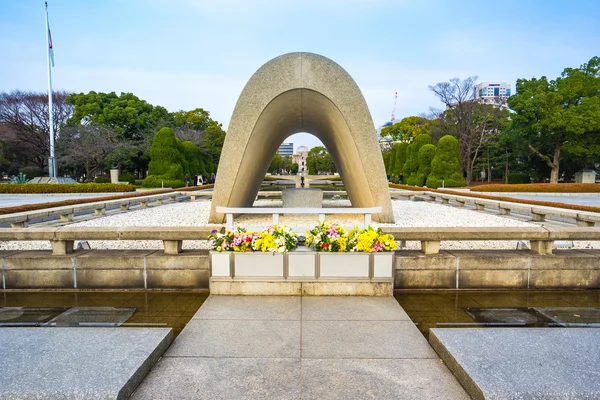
(51,161)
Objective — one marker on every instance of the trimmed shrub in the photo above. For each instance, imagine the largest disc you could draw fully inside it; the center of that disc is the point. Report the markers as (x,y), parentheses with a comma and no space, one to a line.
(154,181)
(191,153)
(445,166)
(164,153)
(127,178)
(519,177)
(102,179)
(400,158)
(406,171)
(426,155)
(66,188)
(392,160)
(541,187)
(413,161)
(386,161)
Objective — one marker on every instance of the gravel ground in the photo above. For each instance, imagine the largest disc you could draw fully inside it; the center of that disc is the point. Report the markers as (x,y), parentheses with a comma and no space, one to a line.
(406,213)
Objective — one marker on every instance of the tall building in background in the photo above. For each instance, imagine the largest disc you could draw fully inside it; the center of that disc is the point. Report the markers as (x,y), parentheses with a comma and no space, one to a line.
(494,93)
(286,149)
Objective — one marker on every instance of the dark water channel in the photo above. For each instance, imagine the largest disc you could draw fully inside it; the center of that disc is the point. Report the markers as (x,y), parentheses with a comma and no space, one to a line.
(460,309)
(106,308)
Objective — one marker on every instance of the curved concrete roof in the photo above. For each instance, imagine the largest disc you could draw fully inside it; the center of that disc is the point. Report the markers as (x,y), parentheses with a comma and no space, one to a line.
(301,92)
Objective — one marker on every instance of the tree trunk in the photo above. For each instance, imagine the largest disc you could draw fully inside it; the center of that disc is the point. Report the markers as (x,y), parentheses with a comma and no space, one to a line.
(506,169)
(555,164)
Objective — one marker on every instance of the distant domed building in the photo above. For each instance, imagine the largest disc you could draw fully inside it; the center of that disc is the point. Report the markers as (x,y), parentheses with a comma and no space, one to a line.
(300,158)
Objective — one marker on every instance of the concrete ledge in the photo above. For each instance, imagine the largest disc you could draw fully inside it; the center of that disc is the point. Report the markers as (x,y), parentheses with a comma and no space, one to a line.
(287,288)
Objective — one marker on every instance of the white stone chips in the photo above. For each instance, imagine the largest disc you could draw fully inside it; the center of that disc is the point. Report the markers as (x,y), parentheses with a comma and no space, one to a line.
(406,213)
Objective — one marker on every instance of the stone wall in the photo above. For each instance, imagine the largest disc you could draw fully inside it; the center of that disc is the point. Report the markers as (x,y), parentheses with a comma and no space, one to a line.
(152,269)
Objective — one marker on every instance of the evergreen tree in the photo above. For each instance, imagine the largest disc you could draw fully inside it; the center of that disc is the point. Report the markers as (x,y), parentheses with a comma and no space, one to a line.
(445,166)
(166,161)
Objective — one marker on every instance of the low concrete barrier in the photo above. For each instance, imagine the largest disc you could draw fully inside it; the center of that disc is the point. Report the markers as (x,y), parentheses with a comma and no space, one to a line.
(66,213)
(538,213)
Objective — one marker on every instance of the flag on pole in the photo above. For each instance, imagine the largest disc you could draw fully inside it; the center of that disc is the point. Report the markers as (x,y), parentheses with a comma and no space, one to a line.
(50,49)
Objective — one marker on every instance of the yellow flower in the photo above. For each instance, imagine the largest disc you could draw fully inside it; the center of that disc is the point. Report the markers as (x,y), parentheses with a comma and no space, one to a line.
(343,242)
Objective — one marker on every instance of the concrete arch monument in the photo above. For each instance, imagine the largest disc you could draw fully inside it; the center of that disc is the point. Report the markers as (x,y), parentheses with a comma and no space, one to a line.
(301,92)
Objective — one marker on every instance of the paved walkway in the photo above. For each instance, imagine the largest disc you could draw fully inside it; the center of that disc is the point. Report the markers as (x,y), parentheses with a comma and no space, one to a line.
(238,347)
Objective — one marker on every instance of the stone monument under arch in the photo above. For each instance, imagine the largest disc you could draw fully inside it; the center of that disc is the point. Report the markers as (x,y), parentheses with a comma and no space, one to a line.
(301,92)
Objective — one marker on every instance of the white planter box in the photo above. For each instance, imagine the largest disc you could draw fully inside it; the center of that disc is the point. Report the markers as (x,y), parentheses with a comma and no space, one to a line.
(350,265)
(220,264)
(383,265)
(255,265)
(302,264)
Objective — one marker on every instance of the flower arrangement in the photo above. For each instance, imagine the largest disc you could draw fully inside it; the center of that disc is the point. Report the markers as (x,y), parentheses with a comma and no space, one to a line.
(277,238)
(334,238)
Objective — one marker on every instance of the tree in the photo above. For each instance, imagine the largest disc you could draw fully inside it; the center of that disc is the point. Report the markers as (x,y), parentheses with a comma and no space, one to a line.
(408,128)
(319,160)
(413,160)
(191,155)
(25,124)
(128,116)
(86,147)
(286,163)
(426,154)
(472,123)
(294,168)
(445,166)
(275,164)
(561,115)
(406,169)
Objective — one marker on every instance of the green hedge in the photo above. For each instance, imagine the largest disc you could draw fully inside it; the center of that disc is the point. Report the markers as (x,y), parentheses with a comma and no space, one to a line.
(519,177)
(33,188)
(540,188)
(154,181)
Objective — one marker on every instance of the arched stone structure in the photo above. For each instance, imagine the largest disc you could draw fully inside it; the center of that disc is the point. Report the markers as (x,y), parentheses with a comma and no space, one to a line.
(301,92)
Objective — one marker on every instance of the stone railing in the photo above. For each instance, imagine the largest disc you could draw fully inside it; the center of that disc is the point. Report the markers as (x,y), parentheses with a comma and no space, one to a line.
(277,211)
(538,213)
(62,238)
(541,238)
(66,213)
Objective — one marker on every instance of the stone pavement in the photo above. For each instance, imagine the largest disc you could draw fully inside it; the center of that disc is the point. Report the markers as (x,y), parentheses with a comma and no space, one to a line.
(77,363)
(523,363)
(262,347)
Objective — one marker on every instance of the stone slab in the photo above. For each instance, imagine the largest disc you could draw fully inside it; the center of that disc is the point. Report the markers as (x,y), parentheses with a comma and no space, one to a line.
(302,198)
(524,363)
(222,378)
(363,339)
(238,338)
(255,288)
(322,288)
(77,363)
(378,379)
(250,308)
(352,308)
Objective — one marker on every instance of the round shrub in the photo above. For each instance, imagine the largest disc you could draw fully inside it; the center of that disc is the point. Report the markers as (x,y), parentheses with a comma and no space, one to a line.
(426,155)
(190,152)
(413,161)
(445,166)
(127,178)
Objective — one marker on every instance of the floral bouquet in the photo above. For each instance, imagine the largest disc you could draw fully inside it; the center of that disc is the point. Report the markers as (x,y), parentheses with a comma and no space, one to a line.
(329,236)
(272,239)
(276,238)
(374,240)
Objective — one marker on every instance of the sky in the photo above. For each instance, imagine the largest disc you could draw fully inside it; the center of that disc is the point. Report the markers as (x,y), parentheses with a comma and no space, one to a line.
(184,54)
